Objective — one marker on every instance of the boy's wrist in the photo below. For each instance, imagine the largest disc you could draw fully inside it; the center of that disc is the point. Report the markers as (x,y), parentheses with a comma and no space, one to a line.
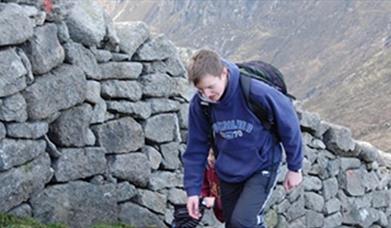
(296,170)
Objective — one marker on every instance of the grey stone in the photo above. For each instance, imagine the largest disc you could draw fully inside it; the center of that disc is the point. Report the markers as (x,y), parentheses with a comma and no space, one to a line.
(349,163)
(154,157)
(158,85)
(283,206)
(3,131)
(177,196)
(140,109)
(171,66)
(129,135)
(314,219)
(309,121)
(63,32)
(332,221)
(27,64)
(29,130)
(17,152)
(339,140)
(87,204)
(23,210)
(306,166)
(307,138)
(183,115)
(111,38)
(44,49)
(383,222)
(131,213)
(119,57)
(313,201)
(13,108)
(170,152)
(350,180)
(162,128)
(381,199)
(184,89)
(99,112)
(80,163)
(363,217)
(125,191)
(51,148)
(298,223)
(37,17)
(63,88)
(367,152)
(159,105)
(330,188)
(332,206)
(12,71)
(19,184)
(370,181)
(93,92)
(310,153)
(101,55)
(158,48)
(324,164)
(130,90)
(317,144)
(153,200)
(15,25)
(333,167)
(312,183)
(277,196)
(296,194)
(165,179)
(71,128)
(76,54)
(121,70)
(86,23)
(133,167)
(296,211)
(132,35)
(322,128)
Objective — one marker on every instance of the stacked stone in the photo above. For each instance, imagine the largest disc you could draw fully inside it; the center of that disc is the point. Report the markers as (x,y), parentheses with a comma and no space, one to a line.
(346,182)
(92,117)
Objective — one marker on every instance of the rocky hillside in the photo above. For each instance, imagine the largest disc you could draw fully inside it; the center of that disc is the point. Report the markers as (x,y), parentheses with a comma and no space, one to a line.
(335,54)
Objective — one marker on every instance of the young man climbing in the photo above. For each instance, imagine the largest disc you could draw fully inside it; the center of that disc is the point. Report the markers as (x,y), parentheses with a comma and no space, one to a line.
(249,154)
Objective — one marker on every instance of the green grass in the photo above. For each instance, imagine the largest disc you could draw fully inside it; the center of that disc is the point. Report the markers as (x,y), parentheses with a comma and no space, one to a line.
(10,221)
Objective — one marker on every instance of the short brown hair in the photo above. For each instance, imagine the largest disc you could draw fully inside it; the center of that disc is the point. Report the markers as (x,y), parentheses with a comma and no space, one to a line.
(202,63)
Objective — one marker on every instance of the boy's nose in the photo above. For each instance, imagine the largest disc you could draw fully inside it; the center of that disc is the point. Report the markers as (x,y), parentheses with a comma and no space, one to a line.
(208,93)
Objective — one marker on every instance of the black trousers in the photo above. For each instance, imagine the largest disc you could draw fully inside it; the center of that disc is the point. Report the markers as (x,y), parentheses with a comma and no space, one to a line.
(244,202)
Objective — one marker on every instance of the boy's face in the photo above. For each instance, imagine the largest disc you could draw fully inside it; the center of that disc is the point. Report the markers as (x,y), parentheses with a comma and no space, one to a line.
(212,87)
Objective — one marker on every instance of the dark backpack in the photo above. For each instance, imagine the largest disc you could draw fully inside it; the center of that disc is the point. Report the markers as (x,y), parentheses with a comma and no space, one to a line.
(264,72)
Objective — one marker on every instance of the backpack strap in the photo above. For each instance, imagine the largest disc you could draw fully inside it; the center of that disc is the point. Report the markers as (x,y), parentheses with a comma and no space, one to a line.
(255,107)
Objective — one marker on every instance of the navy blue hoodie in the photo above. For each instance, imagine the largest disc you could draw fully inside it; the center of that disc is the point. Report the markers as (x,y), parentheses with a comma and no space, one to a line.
(244,145)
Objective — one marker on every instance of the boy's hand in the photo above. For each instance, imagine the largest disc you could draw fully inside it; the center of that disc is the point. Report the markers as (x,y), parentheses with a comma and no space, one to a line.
(292,179)
(209,202)
(192,207)
(211,159)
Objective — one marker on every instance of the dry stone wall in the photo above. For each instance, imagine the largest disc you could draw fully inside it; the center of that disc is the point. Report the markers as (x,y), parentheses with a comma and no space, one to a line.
(93,121)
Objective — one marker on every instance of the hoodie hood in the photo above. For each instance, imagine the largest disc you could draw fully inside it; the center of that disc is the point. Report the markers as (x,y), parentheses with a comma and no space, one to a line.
(233,82)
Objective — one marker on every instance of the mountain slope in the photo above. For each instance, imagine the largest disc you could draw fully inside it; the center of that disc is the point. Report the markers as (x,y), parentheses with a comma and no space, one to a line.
(335,54)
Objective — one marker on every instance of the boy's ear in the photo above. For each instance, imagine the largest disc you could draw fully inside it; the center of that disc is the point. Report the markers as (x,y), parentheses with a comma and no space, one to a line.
(225,73)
